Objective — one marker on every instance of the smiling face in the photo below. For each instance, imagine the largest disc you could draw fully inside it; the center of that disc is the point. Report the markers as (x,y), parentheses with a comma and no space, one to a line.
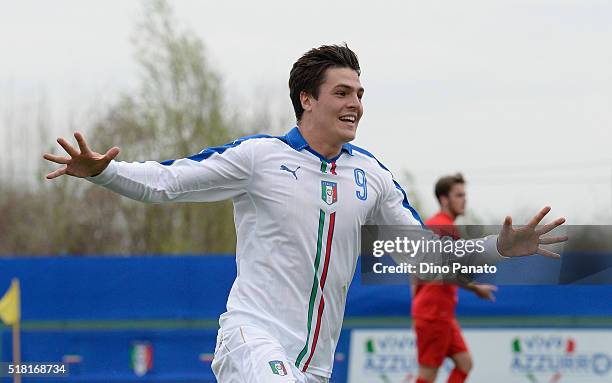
(336,112)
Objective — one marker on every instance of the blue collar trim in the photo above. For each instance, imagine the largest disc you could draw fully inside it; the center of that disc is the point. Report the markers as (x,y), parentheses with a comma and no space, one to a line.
(295,139)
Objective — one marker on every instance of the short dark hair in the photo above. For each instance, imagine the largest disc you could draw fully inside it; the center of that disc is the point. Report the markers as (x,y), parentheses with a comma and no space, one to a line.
(445,184)
(307,73)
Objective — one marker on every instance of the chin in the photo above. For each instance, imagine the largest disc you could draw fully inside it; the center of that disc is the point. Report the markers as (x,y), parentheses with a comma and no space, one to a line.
(347,135)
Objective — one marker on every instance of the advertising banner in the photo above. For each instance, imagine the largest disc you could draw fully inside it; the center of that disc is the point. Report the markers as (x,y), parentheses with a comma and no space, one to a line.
(500,355)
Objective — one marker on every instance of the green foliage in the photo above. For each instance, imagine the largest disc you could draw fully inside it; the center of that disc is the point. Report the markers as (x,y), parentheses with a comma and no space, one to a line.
(176,110)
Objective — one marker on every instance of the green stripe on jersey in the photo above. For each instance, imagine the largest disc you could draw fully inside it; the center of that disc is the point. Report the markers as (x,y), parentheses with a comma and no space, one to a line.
(315,283)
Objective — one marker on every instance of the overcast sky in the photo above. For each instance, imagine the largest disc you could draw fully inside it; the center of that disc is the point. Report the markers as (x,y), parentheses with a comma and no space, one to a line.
(515,94)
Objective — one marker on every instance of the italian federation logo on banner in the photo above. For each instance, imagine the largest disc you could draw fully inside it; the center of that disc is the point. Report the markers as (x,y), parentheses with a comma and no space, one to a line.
(141,357)
(329,192)
(278,367)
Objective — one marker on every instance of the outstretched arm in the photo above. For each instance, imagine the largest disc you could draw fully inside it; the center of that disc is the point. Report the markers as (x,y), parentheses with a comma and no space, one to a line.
(80,163)
(402,222)
(214,174)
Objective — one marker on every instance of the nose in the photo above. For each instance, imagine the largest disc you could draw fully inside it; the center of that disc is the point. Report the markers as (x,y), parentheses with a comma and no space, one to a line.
(354,102)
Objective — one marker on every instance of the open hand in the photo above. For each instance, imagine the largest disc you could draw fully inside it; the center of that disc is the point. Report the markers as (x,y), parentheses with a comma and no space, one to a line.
(526,240)
(85,163)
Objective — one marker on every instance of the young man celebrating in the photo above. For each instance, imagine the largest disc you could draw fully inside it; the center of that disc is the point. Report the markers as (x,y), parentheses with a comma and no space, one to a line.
(433,304)
(299,202)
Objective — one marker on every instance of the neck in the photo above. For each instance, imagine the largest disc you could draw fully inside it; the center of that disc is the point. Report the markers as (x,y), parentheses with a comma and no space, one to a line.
(447,211)
(318,142)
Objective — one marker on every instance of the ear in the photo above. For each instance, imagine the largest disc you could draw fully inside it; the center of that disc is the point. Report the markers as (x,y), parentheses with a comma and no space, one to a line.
(306,100)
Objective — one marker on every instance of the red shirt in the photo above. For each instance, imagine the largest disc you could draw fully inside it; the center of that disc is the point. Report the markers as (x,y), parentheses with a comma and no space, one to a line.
(437,300)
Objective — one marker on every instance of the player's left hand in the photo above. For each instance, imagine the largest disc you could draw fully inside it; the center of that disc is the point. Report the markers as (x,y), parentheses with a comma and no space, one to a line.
(526,240)
(485,291)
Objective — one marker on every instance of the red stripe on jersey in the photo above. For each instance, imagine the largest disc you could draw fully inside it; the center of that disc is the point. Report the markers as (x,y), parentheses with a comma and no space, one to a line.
(330,236)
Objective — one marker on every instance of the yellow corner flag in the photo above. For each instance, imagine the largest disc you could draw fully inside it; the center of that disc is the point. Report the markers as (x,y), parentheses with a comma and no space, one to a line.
(10,311)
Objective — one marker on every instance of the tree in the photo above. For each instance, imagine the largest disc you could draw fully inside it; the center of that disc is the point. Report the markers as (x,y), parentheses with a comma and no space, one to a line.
(177,110)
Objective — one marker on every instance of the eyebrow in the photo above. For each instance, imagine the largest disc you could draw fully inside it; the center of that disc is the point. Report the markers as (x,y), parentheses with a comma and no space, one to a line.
(345,86)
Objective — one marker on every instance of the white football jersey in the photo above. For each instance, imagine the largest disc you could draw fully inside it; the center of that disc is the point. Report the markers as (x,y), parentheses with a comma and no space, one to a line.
(298,218)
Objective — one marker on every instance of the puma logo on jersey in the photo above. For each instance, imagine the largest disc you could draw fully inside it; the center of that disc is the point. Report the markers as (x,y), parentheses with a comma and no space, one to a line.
(283,167)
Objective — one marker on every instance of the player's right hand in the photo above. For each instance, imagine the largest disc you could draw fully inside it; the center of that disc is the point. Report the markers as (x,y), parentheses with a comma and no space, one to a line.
(85,163)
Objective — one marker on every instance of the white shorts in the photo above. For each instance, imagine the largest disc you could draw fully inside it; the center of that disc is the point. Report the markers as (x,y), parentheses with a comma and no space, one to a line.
(250,355)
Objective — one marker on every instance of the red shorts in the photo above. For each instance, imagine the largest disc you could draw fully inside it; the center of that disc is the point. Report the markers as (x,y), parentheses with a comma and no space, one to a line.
(436,340)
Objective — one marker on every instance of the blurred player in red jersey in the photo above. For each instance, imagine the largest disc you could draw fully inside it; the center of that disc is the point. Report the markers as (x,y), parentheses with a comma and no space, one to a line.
(433,304)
